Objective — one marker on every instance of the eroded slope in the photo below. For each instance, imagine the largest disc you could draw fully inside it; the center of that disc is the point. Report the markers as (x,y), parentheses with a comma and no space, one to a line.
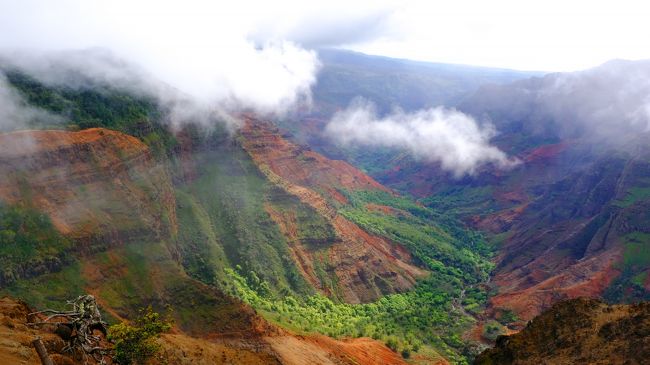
(366,265)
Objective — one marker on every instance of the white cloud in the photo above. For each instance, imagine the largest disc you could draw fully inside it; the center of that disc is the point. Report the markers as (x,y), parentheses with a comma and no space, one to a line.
(449,137)
(200,48)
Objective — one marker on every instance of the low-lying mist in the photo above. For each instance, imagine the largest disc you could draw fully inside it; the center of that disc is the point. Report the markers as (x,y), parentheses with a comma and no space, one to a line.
(15,112)
(198,58)
(607,106)
(195,57)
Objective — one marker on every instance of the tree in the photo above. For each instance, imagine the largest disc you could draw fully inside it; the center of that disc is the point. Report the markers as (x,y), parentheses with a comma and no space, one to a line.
(134,344)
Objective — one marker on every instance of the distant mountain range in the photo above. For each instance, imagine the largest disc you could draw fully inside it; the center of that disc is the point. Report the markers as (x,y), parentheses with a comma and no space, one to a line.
(391,82)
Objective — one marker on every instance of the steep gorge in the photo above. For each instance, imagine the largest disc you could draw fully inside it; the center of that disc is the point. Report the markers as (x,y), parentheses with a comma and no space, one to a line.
(198,216)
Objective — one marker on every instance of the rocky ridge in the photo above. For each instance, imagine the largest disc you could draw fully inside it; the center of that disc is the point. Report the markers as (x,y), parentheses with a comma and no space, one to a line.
(578,331)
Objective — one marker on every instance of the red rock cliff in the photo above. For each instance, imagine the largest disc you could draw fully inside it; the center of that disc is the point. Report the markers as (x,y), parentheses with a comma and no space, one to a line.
(97,185)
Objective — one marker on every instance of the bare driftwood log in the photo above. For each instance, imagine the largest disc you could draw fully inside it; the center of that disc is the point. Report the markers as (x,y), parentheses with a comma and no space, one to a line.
(42,352)
(77,327)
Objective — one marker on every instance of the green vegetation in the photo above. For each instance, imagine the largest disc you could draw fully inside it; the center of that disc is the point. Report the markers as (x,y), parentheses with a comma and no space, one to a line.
(224,223)
(135,344)
(637,254)
(431,315)
(29,244)
(492,330)
(406,322)
(202,254)
(312,228)
(49,290)
(229,237)
(463,200)
(629,286)
(634,195)
(137,279)
(95,106)
(436,240)
(507,316)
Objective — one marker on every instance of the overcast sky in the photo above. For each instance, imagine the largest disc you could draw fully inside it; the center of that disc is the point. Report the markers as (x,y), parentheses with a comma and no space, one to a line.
(549,35)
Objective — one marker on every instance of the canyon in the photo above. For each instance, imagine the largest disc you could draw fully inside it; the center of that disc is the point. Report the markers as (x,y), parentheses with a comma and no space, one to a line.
(271,241)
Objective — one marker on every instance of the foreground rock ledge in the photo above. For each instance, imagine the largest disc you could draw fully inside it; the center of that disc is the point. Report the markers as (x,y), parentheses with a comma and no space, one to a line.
(578,331)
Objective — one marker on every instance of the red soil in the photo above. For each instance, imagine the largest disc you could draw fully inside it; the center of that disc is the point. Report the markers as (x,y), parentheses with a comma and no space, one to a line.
(92,182)
(545,152)
(588,278)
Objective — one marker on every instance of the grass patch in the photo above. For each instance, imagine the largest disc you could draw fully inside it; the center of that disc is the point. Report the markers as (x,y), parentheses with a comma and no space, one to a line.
(629,285)
(29,244)
(637,250)
(49,290)
(633,195)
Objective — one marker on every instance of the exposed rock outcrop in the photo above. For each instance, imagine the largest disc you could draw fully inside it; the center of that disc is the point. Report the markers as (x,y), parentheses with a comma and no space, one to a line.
(16,337)
(578,331)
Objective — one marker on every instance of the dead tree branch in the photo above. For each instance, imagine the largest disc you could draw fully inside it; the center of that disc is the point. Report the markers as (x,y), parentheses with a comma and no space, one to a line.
(78,328)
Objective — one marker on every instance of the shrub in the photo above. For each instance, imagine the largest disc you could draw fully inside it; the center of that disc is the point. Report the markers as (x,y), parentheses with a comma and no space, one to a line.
(406,353)
(391,343)
(508,316)
(135,344)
